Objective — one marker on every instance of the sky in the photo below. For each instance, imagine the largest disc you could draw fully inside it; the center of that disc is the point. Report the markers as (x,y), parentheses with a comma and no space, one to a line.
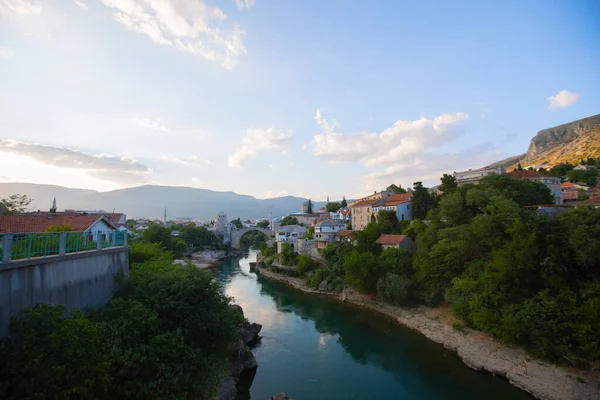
(272,98)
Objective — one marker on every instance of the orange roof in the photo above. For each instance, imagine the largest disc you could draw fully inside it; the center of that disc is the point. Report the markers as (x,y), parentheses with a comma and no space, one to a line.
(364,203)
(396,199)
(391,240)
(591,201)
(567,185)
(525,174)
(345,211)
(40,222)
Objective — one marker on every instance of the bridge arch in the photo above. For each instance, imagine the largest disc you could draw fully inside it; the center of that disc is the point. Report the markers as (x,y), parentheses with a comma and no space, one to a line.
(236,235)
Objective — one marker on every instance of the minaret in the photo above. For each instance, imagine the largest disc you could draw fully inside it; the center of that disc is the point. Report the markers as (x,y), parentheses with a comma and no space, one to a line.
(53,208)
(165,217)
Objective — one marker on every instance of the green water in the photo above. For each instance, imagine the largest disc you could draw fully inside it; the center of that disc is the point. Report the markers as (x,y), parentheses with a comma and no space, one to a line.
(318,348)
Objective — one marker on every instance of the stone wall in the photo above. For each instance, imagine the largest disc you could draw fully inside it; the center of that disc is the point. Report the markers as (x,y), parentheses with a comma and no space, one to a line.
(74,280)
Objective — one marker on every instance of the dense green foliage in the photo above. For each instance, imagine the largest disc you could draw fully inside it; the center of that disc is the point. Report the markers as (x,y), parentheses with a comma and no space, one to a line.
(333,207)
(289,220)
(309,209)
(421,201)
(166,334)
(503,268)
(253,239)
(263,224)
(587,177)
(237,223)
(344,203)
(448,185)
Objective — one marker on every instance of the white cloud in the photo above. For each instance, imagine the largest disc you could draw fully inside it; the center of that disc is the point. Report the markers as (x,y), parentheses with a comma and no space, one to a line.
(405,138)
(81,4)
(20,7)
(257,140)
(187,161)
(247,4)
(271,194)
(121,169)
(6,52)
(156,124)
(428,167)
(187,25)
(563,99)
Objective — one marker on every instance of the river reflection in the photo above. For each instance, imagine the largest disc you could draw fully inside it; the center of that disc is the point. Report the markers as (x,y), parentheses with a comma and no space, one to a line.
(318,348)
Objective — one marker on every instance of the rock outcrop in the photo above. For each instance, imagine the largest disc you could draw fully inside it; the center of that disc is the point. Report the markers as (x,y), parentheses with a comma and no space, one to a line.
(547,139)
(280,396)
(241,363)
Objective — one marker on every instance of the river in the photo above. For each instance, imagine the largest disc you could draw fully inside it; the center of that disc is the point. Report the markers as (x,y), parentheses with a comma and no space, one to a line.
(315,347)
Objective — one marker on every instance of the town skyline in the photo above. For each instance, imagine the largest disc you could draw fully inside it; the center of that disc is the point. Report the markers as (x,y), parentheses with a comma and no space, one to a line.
(106,95)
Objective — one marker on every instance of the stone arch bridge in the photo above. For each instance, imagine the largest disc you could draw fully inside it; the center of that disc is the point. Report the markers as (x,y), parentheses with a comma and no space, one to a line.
(236,235)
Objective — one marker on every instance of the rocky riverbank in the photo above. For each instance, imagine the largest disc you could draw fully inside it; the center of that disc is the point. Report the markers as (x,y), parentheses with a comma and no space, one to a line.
(478,350)
(241,363)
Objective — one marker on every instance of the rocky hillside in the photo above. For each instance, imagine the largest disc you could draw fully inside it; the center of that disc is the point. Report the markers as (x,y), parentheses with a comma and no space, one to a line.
(564,143)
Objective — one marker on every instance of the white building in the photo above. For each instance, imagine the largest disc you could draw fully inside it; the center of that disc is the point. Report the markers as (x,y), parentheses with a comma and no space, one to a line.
(475,175)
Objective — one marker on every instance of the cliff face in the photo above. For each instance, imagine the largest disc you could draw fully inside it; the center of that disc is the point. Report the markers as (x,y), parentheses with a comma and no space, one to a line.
(548,139)
(564,143)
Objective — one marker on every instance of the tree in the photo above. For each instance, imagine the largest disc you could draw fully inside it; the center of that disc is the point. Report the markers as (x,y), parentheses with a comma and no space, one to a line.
(523,191)
(237,223)
(158,234)
(421,200)
(393,188)
(519,167)
(263,224)
(288,257)
(197,236)
(388,222)
(309,209)
(333,207)
(15,203)
(289,220)
(344,202)
(448,184)
(362,271)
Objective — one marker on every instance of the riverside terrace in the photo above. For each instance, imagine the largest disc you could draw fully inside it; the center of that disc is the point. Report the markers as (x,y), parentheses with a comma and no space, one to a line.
(72,269)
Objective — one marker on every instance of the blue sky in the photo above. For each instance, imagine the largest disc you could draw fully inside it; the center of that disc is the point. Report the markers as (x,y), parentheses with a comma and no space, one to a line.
(284,97)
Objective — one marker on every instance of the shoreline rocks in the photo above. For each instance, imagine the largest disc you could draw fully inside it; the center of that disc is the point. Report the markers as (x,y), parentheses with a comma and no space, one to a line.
(477,350)
(241,362)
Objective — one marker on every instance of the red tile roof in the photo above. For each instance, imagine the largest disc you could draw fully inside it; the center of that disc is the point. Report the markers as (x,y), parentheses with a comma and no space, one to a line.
(39,222)
(364,203)
(391,240)
(591,201)
(345,211)
(346,233)
(396,199)
(525,174)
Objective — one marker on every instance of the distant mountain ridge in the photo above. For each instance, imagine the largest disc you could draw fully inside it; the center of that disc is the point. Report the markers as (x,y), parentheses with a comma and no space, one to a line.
(150,201)
(569,142)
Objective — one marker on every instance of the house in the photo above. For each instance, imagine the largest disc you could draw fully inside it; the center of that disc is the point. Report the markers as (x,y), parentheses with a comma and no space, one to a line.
(581,167)
(475,175)
(345,235)
(570,192)
(551,182)
(44,221)
(290,232)
(396,242)
(362,213)
(591,202)
(401,204)
(551,210)
(325,231)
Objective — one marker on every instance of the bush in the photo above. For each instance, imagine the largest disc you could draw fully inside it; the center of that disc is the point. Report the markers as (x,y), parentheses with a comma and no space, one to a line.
(317,276)
(395,288)
(140,251)
(306,264)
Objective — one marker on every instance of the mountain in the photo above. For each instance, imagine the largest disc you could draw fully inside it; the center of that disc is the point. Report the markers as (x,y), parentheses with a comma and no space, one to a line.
(150,201)
(564,143)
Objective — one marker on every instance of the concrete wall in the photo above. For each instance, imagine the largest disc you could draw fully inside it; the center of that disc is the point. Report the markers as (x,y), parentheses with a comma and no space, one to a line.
(74,280)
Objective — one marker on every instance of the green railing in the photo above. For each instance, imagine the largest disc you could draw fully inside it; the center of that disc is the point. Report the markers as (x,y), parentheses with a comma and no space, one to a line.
(18,246)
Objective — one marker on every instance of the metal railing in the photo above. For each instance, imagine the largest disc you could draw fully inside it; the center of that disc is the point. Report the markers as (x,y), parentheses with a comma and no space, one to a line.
(19,246)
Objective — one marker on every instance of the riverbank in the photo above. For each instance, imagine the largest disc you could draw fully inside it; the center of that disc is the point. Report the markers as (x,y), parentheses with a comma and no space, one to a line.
(478,350)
